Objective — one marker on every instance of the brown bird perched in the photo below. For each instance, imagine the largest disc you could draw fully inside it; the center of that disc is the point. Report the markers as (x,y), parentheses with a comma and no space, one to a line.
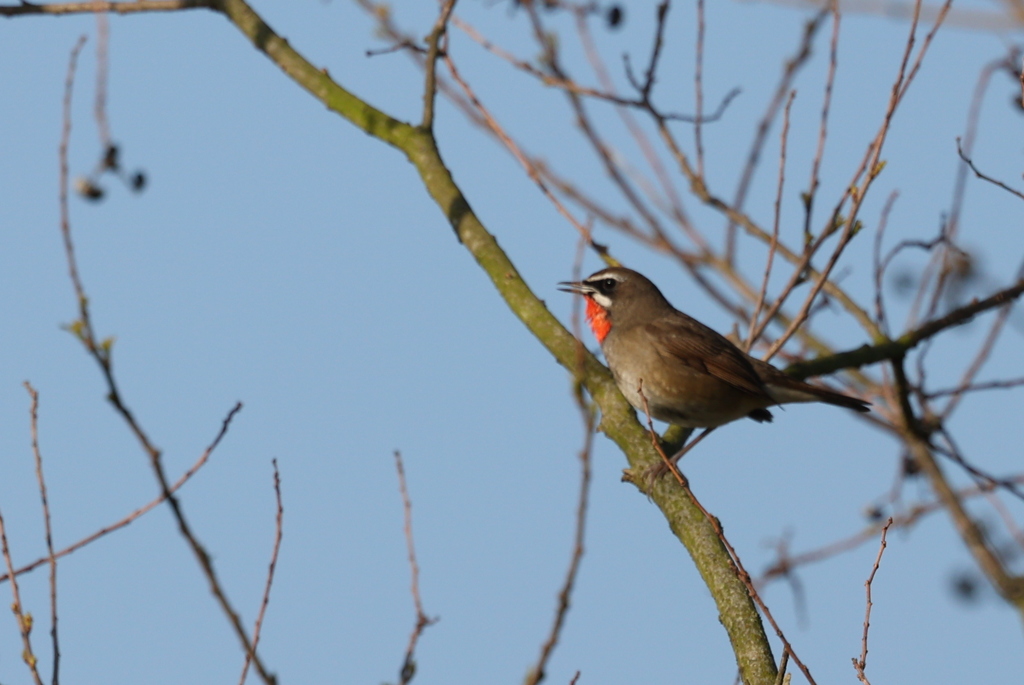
(690,375)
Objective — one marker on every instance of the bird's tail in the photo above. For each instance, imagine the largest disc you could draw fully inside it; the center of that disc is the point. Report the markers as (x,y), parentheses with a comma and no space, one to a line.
(787,389)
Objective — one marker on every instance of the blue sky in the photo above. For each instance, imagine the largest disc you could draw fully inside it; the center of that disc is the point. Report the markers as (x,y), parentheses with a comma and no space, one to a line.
(282,258)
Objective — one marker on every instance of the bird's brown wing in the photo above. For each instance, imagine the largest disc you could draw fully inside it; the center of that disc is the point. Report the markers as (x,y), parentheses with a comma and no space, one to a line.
(692,343)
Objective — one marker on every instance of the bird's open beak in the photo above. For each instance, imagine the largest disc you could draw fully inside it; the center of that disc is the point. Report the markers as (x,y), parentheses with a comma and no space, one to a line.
(575,287)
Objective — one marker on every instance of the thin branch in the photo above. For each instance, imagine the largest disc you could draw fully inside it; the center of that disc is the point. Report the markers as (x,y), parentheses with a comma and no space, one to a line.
(953,452)
(866,173)
(430,66)
(755,329)
(203,458)
(789,72)
(1009,586)
(531,169)
(975,387)
(538,672)
(880,265)
(979,359)
(698,84)
(408,669)
(786,564)
(34,421)
(583,121)
(891,349)
(24,620)
(833,61)
(65,140)
(101,352)
(984,177)
(278,535)
(652,65)
(672,200)
(102,70)
(969,137)
(868,170)
(804,313)
(860,664)
(542,76)
(59,8)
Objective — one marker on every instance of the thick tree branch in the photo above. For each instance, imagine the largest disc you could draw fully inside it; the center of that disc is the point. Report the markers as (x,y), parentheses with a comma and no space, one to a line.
(737,612)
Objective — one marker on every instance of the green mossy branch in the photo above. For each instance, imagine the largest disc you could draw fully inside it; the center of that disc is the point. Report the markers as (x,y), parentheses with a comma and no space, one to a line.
(736,609)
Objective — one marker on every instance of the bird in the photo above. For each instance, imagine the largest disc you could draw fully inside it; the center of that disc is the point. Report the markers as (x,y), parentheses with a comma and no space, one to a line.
(674,368)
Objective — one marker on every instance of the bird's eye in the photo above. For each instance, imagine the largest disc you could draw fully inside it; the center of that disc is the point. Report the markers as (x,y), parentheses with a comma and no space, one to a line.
(608,284)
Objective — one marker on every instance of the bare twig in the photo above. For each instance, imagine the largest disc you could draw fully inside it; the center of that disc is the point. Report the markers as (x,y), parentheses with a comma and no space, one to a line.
(1011,587)
(979,359)
(952,450)
(91,7)
(408,669)
(278,534)
(537,673)
(434,50)
(65,140)
(860,664)
(698,84)
(974,387)
(755,329)
(868,170)
(101,352)
(833,61)
(671,196)
(985,177)
(34,420)
(200,462)
(785,564)
(1007,518)
(102,70)
(970,135)
(792,66)
(879,264)
(530,168)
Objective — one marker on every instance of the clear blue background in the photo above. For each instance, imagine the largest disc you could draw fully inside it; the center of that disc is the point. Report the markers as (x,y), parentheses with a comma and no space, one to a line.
(283,258)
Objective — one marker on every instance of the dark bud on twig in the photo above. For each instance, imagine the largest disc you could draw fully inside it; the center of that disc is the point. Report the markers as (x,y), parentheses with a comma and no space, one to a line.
(138,181)
(965,587)
(910,466)
(615,16)
(874,513)
(111,158)
(89,190)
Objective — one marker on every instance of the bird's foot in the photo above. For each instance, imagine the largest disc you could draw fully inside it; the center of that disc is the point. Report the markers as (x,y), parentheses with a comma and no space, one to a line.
(655,472)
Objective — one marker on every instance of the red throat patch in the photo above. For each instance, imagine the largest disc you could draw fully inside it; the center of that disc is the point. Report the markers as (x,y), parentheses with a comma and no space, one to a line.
(597,317)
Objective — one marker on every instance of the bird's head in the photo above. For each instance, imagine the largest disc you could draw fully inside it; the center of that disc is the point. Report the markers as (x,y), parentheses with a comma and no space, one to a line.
(616,296)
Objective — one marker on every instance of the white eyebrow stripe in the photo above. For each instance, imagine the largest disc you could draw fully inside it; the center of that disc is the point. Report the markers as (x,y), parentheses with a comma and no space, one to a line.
(602,276)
